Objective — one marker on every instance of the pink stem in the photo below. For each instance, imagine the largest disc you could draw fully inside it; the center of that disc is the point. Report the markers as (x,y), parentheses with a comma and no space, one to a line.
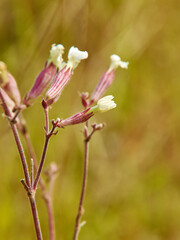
(84,183)
(25,168)
(35,217)
(17,139)
(46,111)
(48,200)
(48,135)
(42,162)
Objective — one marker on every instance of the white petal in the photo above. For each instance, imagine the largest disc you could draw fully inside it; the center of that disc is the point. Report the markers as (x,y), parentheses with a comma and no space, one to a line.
(106,98)
(75,56)
(106,103)
(56,55)
(116,62)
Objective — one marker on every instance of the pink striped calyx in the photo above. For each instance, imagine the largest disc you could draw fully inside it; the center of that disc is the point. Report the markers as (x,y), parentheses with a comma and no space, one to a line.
(60,81)
(79,117)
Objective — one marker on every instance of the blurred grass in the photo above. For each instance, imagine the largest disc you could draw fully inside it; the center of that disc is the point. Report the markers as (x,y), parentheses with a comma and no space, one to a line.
(134,182)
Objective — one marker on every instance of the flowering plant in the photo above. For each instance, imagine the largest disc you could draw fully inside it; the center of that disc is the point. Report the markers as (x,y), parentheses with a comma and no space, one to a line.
(51,81)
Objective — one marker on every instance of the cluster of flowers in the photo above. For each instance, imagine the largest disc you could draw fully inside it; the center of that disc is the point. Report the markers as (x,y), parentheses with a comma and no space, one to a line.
(56,75)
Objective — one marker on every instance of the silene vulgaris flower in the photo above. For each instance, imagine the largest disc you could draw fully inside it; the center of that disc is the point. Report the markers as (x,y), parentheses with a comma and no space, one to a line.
(64,75)
(46,76)
(103,105)
(107,78)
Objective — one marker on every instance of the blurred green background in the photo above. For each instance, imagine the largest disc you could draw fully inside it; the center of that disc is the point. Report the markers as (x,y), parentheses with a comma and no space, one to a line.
(133,188)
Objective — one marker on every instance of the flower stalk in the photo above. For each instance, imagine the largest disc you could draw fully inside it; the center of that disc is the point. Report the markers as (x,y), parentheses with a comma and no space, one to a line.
(47,138)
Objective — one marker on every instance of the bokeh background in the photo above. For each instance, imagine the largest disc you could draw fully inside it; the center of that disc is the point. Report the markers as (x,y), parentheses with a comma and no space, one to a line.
(133,188)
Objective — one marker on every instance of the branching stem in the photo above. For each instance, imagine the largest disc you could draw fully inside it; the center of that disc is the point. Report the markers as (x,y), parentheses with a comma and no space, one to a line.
(47,198)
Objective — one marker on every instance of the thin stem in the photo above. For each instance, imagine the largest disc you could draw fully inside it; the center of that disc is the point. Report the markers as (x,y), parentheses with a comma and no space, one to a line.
(48,136)
(50,207)
(84,183)
(32,171)
(31,196)
(42,162)
(25,168)
(17,139)
(31,152)
(48,200)
(21,153)
(46,111)
(35,217)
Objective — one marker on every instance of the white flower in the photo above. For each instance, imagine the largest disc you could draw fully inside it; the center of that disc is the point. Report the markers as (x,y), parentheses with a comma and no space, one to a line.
(55,55)
(104,104)
(75,56)
(116,62)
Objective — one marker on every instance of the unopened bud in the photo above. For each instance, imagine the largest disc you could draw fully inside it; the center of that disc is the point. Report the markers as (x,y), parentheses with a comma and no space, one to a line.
(85,99)
(10,103)
(3,73)
(53,170)
(8,83)
(98,126)
(44,104)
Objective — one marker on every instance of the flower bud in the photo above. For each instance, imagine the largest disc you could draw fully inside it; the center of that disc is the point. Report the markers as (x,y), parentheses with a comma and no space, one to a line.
(104,104)
(107,78)
(85,99)
(3,73)
(10,103)
(97,127)
(8,83)
(53,170)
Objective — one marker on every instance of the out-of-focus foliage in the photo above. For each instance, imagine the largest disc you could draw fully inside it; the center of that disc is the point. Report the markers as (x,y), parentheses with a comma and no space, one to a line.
(133,188)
